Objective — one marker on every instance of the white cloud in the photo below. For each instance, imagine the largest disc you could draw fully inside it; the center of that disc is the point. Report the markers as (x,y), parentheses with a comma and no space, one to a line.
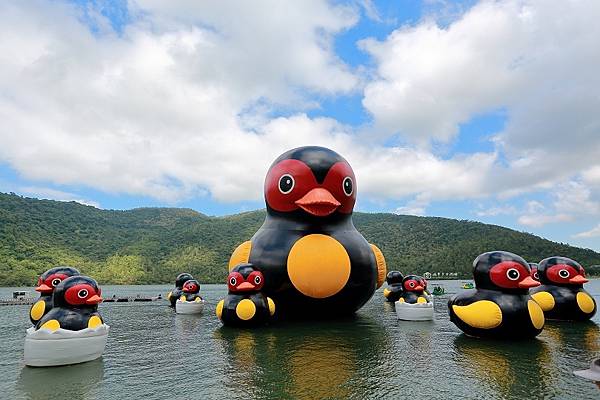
(541,219)
(570,201)
(157,111)
(536,60)
(575,198)
(495,211)
(176,106)
(179,103)
(416,206)
(53,194)
(594,232)
(592,176)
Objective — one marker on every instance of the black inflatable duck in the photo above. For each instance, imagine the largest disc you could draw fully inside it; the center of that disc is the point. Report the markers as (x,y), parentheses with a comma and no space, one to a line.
(313,258)
(413,290)
(175,294)
(394,290)
(45,285)
(534,271)
(500,305)
(245,305)
(561,294)
(74,305)
(190,290)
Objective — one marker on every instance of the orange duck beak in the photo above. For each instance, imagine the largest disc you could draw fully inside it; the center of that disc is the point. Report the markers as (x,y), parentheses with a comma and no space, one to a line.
(578,280)
(528,282)
(43,288)
(318,202)
(244,286)
(95,299)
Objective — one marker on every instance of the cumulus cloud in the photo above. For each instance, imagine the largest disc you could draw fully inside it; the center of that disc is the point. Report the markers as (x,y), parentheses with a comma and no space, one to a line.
(495,211)
(180,102)
(535,60)
(594,232)
(53,194)
(162,108)
(570,201)
(537,221)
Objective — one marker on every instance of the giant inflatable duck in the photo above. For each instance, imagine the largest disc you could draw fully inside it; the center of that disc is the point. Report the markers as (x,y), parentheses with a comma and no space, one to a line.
(313,259)
(190,301)
(414,288)
(500,305)
(245,304)
(75,305)
(175,294)
(72,331)
(394,290)
(45,285)
(561,294)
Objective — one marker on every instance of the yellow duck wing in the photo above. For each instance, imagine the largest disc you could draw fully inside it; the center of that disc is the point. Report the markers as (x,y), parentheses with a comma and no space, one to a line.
(545,300)
(482,314)
(381,266)
(240,255)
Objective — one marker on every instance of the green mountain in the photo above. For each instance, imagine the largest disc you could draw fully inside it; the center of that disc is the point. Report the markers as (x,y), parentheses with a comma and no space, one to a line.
(152,245)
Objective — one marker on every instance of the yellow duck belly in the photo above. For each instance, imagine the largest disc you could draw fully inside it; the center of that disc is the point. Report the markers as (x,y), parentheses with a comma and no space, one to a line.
(318,266)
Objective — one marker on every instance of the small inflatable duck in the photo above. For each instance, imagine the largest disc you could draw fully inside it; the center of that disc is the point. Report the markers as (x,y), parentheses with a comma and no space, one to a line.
(500,305)
(313,259)
(45,285)
(74,305)
(245,305)
(413,290)
(534,271)
(174,294)
(394,290)
(561,294)
(189,291)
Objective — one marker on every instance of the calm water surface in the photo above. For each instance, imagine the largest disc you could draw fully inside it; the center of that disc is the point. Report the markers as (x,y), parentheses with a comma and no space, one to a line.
(154,353)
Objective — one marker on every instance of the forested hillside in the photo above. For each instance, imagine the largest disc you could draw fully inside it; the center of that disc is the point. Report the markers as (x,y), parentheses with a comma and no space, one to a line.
(151,245)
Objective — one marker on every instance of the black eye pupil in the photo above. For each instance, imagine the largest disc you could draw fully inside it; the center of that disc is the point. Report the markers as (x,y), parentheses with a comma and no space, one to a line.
(257,280)
(348,185)
(286,184)
(83,293)
(564,273)
(55,282)
(232,281)
(513,273)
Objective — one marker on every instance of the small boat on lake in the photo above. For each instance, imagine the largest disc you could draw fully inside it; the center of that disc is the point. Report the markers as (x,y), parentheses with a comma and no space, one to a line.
(438,290)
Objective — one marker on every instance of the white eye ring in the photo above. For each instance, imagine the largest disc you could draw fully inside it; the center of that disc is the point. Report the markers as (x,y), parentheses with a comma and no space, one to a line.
(233,281)
(82,294)
(55,282)
(412,284)
(536,275)
(346,179)
(291,182)
(257,280)
(511,278)
(563,273)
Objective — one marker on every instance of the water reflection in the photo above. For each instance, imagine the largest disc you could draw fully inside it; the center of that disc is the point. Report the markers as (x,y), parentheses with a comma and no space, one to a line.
(520,369)
(186,326)
(305,361)
(578,337)
(69,382)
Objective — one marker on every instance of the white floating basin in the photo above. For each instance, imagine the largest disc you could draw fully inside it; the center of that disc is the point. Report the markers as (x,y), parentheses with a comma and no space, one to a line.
(414,312)
(189,307)
(46,348)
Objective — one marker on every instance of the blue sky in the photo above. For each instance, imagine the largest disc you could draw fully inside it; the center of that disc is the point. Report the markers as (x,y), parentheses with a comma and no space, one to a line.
(472,110)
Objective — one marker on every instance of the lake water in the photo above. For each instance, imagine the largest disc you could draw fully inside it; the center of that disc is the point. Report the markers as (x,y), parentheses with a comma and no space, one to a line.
(154,353)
